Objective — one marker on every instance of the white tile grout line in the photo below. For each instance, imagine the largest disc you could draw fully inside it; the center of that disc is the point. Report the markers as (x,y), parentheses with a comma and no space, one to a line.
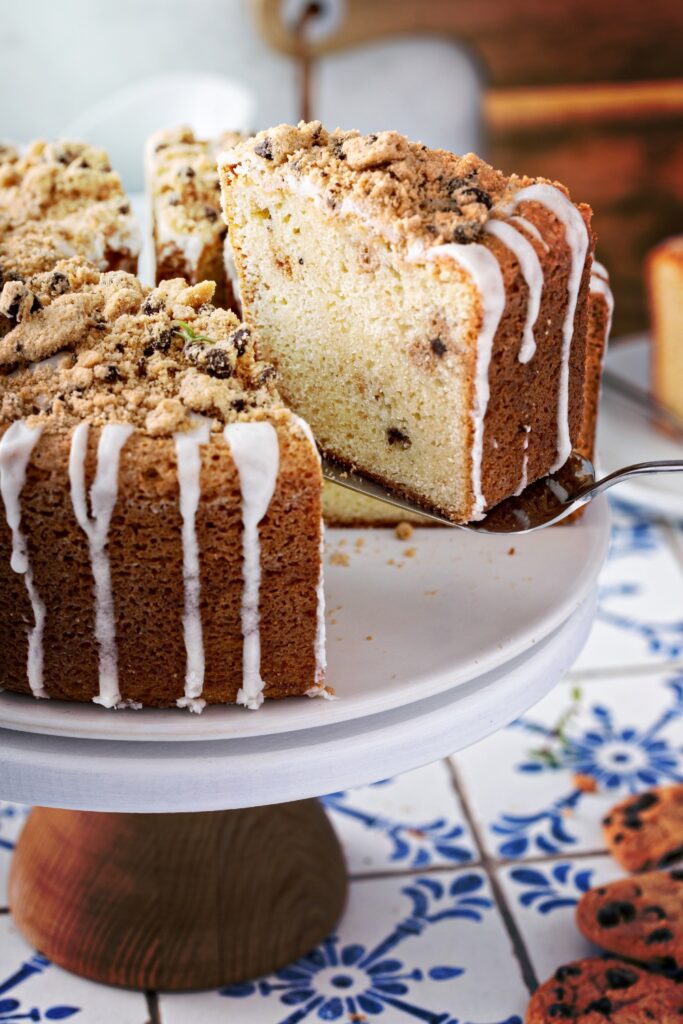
(519,948)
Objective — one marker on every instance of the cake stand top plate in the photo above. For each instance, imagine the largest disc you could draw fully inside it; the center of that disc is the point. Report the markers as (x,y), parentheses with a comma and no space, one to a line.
(407,620)
(111,775)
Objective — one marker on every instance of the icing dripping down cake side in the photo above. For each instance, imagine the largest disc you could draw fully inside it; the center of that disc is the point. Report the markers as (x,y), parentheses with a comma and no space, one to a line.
(143,559)
(446,302)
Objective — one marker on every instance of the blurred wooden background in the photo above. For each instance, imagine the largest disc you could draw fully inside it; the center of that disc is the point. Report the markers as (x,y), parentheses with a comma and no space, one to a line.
(589,92)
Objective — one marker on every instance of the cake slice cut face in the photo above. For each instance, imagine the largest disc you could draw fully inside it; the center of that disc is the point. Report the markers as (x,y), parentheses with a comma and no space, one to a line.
(160,512)
(59,200)
(188,231)
(426,314)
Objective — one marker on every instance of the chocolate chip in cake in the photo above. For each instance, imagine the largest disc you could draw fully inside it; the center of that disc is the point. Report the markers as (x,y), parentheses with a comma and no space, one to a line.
(124,209)
(264,149)
(614,913)
(338,150)
(398,437)
(217,364)
(35,305)
(642,802)
(659,935)
(560,1011)
(141,368)
(187,172)
(671,856)
(676,874)
(653,913)
(210,214)
(264,375)
(160,342)
(438,347)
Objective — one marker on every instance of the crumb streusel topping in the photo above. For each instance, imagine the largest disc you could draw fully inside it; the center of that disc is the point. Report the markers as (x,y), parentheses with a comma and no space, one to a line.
(183,181)
(100,346)
(417,193)
(60,199)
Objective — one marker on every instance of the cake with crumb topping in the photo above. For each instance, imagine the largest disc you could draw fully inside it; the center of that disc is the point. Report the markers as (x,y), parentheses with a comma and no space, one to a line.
(160,522)
(665,288)
(58,200)
(426,313)
(188,231)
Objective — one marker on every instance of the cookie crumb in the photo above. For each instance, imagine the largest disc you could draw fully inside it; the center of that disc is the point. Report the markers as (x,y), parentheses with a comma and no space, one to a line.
(410,552)
(404,531)
(512,551)
(585,783)
(339,558)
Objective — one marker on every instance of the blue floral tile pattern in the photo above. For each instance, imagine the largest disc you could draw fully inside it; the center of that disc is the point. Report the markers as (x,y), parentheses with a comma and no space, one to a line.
(543,898)
(418,949)
(12,818)
(33,989)
(615,740)
(414,821)
(639,620)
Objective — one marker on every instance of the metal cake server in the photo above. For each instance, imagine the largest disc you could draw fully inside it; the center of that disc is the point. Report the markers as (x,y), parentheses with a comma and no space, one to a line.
(543,503)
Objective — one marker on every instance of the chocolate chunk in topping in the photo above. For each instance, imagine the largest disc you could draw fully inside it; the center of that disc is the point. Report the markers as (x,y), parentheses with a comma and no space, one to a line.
(642,802)
(112,375)
(210,214)
(240,339)
(653,913)
(58,283)
(567,971)
(438,347)
(602,1005)
(264,149)
(398,437)
(614,913)
(659,935)
(560,1011)
(620,977)
(151,306)
(217,364)
(160,342)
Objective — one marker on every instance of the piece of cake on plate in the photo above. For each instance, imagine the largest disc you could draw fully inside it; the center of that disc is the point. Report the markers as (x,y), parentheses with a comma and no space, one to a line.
(426,313)
(62,199)
(188,231)
(665,286)
(160,521)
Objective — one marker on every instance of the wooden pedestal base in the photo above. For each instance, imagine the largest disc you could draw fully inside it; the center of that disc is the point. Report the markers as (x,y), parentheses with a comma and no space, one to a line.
(177,901)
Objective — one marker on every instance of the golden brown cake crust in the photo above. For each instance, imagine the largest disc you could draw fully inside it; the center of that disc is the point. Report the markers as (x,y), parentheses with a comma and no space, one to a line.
(118,352)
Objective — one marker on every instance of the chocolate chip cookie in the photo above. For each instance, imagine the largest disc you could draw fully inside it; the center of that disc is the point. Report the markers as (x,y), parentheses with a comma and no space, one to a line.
(646,831)
(606,991)
(640,918)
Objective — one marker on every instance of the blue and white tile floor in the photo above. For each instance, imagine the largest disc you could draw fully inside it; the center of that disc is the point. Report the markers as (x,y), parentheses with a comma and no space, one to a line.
(465,873)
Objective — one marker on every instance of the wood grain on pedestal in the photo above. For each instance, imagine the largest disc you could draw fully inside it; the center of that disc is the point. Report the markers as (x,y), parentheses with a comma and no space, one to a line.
(177,901)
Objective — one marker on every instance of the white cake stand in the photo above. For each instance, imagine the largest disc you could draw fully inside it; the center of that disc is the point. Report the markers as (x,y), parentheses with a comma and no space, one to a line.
(467,633)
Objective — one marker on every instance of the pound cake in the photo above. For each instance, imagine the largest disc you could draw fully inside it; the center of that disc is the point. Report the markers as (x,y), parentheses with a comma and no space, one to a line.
(425,313)
(665,287)
(188,232)
(160,527)
(62,199)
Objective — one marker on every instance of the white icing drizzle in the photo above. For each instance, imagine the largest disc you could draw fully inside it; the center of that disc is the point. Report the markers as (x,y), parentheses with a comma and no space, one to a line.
(530,229)
(255,452)
(187,445)
(485,271)
(576,237)
(600,286)
(16,448)
(320,629)
(532,272)
(103,495)
(524,479)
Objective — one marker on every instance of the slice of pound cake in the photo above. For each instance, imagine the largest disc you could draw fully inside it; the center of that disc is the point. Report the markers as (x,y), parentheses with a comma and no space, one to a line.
(62,199)
(665,286)
(160,523)
(425,313)
(188,231)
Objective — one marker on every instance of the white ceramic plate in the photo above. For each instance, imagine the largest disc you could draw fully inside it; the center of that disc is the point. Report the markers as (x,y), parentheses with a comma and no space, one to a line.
(406,620)
(626,436)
